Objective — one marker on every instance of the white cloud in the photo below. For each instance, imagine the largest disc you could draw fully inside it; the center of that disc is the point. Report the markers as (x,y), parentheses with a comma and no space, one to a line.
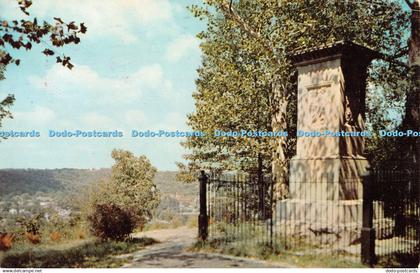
(123,121)
(150,76)
(109,18)
(36,116)
(95,120)
(172,121)
(148,11)
(58,79)
(134,118)
(182,46)
(87,82)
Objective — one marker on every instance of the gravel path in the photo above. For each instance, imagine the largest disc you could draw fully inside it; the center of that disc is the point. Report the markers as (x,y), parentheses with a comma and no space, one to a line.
(172,251)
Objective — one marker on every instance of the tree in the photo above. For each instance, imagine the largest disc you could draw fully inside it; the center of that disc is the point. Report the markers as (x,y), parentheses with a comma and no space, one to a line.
(5,105)
(24,33)
(246,47)
(412,113)
(130,190)
(7,102)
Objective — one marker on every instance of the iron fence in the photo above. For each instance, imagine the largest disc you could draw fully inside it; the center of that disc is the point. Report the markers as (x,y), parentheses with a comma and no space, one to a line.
(318,217)
(398,194)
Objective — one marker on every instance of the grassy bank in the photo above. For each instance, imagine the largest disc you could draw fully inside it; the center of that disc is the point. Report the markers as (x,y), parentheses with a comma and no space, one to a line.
(276,254)
(87,253)
(175,222)
(301,256)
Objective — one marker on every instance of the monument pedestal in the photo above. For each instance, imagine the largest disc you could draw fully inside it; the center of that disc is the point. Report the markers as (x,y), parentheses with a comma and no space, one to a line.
(328,178)
(325,201)
(329,221)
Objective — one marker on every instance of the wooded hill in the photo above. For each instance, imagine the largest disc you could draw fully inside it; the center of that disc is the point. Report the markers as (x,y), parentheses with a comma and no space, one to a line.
(20,181)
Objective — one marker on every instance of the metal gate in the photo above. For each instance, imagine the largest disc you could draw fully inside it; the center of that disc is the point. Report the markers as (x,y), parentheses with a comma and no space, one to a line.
(239,208)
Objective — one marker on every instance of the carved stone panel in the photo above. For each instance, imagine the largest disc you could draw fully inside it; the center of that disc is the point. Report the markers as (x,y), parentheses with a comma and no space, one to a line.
(319,96)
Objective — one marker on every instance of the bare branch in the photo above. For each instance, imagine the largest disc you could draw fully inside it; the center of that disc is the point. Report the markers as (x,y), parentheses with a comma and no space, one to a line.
(411,5)
(393,60)
(402,52)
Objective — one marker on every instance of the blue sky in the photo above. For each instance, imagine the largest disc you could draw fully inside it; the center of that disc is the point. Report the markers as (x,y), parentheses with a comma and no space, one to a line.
(134,69)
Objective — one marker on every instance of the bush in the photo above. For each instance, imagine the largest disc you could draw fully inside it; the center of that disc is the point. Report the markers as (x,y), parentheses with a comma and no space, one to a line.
(33,238)
(108,221)
(32,224)
(55,236)
(6,241)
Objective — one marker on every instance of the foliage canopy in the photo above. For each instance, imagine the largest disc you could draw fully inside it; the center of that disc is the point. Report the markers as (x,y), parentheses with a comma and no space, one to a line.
(246,80)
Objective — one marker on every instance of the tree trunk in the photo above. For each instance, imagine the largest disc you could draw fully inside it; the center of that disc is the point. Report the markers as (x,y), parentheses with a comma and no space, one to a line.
(412,115)
(279,123)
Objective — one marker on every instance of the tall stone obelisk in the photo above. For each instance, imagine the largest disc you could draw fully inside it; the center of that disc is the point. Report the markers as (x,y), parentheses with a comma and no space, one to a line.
(325,183)
(331,98)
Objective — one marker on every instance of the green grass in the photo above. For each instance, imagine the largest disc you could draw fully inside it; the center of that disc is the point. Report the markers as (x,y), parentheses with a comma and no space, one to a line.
(176,222)
(300,255)
(88,253)
(252,241)
(276,254)
(316,261)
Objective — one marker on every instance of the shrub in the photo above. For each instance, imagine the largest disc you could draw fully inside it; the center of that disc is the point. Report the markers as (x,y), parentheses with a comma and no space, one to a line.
(55,236)
(33,238)
(31,225)
(108,221)
(82,235)
(6,240)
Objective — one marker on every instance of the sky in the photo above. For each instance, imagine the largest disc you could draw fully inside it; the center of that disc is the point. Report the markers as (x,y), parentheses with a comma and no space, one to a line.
(134,69)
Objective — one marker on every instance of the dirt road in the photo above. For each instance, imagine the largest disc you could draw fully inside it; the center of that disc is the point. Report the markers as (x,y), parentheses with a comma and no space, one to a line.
(172,251)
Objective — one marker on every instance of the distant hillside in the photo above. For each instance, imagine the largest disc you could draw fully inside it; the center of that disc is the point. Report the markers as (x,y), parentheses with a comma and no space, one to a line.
(166,182)
(19,181)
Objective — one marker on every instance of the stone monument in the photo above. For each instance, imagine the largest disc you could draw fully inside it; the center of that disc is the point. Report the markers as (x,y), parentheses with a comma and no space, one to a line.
(325,190)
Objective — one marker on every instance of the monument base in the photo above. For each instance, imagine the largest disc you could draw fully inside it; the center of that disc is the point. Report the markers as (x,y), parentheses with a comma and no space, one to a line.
(328,221)
(332,178)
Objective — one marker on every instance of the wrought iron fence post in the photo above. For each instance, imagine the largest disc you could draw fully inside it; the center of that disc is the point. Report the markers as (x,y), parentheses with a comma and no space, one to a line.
(272,208)
(368,232)
(202,217)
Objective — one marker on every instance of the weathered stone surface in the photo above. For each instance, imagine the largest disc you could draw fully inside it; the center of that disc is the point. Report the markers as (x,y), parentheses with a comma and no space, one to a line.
(325,198)
(331,97)
(329,221)
(336,178)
